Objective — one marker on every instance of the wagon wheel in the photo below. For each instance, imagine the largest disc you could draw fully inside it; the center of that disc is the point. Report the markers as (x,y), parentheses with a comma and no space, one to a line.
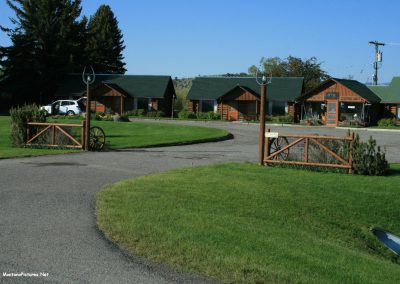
(97,138)
(276,144)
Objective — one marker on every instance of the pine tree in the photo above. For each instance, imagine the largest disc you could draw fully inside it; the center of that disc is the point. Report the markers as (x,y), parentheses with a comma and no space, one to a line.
(47,42)
(105,42)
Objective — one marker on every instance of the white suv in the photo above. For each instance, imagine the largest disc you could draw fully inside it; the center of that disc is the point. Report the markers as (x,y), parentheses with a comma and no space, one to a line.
(68,107)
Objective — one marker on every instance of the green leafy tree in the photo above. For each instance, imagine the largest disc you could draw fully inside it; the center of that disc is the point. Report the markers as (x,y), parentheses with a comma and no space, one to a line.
(47,42)
(310,69)
(105,42)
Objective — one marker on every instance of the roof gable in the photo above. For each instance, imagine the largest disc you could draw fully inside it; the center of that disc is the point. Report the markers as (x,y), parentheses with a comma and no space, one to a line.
(132,85)
(353,85)
(388,94)
(212,88)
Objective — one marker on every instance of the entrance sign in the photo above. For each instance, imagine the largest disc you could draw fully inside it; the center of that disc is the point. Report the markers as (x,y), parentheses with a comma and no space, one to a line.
(271,134)
(332,96)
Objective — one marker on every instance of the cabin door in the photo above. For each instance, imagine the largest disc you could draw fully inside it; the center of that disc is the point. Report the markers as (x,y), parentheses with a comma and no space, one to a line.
(233,113)
(332,113)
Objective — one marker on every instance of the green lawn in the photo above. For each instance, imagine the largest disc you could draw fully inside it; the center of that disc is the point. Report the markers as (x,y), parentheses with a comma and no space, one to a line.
(119,135)
(244,223)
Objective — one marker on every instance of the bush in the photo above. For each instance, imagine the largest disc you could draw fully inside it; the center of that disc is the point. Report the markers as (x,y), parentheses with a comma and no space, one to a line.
(186,115)
(19,118)
(387,122)
(279,119)
(136,112)
(202,115)
(210,115)
(124,118)
(75,116)
(283,119)
(368,158)
(156,114)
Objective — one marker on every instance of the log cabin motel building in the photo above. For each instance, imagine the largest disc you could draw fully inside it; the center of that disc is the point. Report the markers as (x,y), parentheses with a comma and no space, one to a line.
(334,102)
(238,98)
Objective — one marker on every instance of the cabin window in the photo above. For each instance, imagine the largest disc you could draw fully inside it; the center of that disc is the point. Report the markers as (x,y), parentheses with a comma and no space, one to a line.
(278,108)
(207,105)
(142,103)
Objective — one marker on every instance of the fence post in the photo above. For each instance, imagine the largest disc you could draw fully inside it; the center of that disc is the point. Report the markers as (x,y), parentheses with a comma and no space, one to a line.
(27,131)
(306,151)
(83,135)
(53,140)
(351,153)
(266,151)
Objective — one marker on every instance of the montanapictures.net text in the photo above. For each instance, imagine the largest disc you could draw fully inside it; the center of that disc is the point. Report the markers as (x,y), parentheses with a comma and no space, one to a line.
(25,274)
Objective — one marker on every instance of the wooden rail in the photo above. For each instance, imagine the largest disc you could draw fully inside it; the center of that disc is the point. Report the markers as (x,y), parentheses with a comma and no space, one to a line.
(341,163)
(54,127)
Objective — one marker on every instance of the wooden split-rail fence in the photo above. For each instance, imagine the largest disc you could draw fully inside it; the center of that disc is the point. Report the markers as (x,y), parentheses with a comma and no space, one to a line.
(279,150)
(53,128)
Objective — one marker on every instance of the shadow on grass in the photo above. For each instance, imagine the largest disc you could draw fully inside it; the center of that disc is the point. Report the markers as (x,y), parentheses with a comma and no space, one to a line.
(394,170)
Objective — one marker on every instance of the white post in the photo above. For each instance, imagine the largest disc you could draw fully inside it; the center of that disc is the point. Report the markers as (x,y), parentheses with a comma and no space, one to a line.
(286,108)
(215,106)
(148,104)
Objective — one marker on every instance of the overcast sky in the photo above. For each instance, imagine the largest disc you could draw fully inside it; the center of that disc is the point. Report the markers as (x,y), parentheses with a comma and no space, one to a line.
(187,38)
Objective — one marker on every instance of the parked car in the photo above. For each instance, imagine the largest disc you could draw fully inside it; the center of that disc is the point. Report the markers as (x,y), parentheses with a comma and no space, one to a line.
(68,107)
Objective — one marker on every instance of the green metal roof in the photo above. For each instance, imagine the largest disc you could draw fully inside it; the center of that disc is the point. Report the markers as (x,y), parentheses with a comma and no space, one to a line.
(357,87)
(138,86)
(211,88)
(360,89)
(388,94)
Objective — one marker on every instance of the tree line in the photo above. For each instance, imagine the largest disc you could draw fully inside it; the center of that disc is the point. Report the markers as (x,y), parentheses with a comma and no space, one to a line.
(49,39)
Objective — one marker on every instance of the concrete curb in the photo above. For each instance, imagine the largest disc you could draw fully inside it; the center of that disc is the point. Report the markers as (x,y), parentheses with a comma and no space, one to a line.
(368,129)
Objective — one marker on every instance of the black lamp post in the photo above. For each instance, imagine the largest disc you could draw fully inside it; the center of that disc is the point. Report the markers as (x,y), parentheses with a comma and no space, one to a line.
(88,79)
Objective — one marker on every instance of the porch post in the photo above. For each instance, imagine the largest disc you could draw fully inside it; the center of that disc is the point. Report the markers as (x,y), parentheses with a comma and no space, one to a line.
(222,110)
(122,105)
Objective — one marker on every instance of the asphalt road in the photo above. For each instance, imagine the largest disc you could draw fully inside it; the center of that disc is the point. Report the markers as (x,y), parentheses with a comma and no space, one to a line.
(47,215)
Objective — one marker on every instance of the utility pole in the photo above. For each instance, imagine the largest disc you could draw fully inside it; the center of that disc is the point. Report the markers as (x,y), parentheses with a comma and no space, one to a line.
(378,58)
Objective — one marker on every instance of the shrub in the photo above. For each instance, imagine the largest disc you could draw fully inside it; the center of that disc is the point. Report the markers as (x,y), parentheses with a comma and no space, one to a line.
(141,112)
(202,115)
(19,118)
(75,116)
(159,113)
(210,115)
(283,119)
(136,112)
(387,122)
(186,115)
(124,118)
(368,158)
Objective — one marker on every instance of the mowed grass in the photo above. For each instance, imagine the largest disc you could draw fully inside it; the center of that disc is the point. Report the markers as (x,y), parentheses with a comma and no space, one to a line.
(243,223)
(119,135)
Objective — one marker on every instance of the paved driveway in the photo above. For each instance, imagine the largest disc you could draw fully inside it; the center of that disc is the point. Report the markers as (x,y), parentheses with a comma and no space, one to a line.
(47,216)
